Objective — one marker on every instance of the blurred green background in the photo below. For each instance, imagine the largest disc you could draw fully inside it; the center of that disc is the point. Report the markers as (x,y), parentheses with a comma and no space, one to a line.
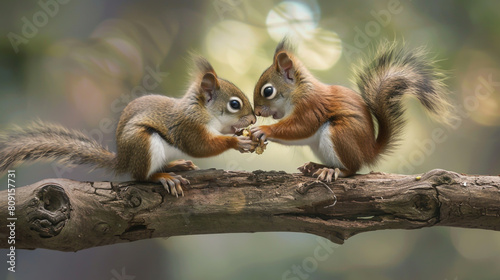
(79,62)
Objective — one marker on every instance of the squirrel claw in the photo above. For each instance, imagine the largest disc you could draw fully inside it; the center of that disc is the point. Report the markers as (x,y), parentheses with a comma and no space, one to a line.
(326,174)
(171,182)
(337,174)
(258,135)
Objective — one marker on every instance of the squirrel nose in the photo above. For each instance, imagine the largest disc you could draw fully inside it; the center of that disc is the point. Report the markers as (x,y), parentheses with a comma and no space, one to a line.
(258,111)
(253,119)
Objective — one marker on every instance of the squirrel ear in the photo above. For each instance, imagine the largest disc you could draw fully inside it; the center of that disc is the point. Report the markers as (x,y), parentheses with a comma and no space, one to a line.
(209,84)
(284,65)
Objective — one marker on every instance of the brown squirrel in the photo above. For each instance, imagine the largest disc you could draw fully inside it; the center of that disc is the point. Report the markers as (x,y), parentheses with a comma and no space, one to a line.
(335,121)
(153,130)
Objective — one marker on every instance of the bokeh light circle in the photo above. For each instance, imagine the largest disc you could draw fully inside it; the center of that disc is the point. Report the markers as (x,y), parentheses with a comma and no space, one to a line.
(291,18)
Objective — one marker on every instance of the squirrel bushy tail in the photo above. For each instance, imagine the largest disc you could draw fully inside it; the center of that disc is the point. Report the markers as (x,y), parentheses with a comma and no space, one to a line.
(391,74)
(48,141)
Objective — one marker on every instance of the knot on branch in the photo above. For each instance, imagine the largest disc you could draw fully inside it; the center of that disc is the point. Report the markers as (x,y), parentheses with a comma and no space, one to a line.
(441,177)
(129,199)
(425,203)
(131,196)
(49,210)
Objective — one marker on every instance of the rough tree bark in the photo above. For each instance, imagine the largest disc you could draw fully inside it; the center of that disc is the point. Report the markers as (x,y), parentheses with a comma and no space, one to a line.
(66,215)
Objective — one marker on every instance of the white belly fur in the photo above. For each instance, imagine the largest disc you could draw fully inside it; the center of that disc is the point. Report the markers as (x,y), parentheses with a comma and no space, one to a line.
(161,153)
(321,144)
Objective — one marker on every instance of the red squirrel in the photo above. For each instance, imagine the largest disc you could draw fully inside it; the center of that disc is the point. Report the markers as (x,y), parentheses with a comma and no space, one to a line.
(335,121)
(153,130)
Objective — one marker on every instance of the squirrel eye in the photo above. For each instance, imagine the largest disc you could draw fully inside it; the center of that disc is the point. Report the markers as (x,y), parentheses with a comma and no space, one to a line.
(234,104)
(268,91)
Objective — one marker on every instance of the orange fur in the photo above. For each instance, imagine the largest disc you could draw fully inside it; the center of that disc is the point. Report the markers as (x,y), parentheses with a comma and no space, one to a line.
(352,131)
(306,104)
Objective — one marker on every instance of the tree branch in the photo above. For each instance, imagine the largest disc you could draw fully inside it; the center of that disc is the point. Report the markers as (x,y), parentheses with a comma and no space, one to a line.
(67,215)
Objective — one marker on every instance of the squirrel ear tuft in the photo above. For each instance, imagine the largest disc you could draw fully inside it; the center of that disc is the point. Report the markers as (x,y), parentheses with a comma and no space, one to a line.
(203,66)
(283,45)
(204,77)
(283,62)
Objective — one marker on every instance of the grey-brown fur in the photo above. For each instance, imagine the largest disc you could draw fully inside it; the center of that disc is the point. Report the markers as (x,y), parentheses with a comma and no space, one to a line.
(392,73)
(183,123)
(48,141)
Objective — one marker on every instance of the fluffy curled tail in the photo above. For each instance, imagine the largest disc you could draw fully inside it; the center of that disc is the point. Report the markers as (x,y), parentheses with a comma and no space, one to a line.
(391,74)
(48,141)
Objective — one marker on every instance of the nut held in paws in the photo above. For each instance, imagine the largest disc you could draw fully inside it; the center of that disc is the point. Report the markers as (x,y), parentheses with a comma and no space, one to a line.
(246,132)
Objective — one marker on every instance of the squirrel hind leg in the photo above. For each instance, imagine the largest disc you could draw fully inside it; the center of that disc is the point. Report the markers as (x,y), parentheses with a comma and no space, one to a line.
(171,182)
(180,165)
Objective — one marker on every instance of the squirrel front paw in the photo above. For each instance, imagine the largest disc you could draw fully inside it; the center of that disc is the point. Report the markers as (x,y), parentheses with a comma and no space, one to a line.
(245,144)
(259,133)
